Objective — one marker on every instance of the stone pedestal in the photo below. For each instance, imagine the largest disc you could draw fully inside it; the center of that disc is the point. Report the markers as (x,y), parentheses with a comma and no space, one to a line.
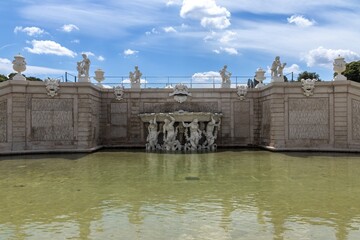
(84,79)
(135,85)
(18,77)
(277,79)
(340,77)
(226,85)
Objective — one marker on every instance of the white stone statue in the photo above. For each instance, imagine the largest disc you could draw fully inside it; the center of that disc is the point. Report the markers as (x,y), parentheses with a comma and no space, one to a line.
(19,65)
(135,78)
(225,77)
(277,68)
(152,138)
(211,134)
(274,66)
(83,67)
(169,132)
(195,134)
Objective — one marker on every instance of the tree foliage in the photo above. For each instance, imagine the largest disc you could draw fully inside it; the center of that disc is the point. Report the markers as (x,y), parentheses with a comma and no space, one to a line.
(352,71)
(306,75)
(11,75)
(3,78)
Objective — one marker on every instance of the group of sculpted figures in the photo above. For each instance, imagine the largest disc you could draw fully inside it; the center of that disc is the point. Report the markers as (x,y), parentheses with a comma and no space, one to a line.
(192,141)
(83,67)
(277,68)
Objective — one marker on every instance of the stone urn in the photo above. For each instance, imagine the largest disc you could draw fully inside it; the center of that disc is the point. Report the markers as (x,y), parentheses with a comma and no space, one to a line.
(339,66)
(99,76)
(19,65)
(260,77)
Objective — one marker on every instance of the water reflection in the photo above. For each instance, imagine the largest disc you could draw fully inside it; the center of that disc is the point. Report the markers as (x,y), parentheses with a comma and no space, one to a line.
(137,195)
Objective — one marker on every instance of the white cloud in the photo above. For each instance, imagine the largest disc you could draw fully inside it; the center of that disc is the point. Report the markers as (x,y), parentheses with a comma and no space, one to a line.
(6,68)
(204,77)
(31,31)
(228,36)
(129,52)
(210,14)
(153,31)
(228,50)
(169,30)
(215,22)
(49,47)
(325,57)
(173,2)
(300,21)
(75,41)
(5,61)
(69,27)
(127,81)
(294,68)
(231,51)
(89,54)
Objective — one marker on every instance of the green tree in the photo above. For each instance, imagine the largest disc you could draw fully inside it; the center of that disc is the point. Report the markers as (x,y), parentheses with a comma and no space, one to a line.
(3,78)
(11,75)
(33,79)
(352,71)
(306,75)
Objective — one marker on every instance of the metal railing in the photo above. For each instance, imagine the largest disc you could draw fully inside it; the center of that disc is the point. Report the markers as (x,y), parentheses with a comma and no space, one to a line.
(204,81)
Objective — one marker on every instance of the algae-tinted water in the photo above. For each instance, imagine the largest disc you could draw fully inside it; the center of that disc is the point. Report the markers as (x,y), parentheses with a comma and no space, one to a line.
(223,195)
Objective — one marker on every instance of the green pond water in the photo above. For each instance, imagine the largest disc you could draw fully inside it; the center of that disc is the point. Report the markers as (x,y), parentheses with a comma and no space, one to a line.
(231,194)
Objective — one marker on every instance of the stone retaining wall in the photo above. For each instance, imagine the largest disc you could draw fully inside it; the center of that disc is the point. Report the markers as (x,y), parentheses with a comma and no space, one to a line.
(83,117)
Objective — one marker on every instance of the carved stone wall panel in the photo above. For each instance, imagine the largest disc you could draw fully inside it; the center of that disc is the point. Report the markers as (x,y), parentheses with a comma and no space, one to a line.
(186,106)
(119,108)
(242,119)
(52,119)
(265,121)
(309,118)
(3,121)
(52,104)
(355,106)
(118,120)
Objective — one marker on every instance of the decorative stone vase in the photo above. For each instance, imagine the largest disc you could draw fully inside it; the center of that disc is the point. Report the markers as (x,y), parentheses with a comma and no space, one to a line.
(99,76)
(260,77)
(19,65)
(339,66)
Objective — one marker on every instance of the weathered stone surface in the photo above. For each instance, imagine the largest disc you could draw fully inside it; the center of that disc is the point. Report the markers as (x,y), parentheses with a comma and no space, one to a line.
(52,119)
(186,106)
(3,121)
(309,118)
(242,119)
(355,106)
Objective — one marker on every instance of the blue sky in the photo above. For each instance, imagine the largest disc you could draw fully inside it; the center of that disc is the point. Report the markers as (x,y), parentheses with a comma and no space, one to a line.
(178,37)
